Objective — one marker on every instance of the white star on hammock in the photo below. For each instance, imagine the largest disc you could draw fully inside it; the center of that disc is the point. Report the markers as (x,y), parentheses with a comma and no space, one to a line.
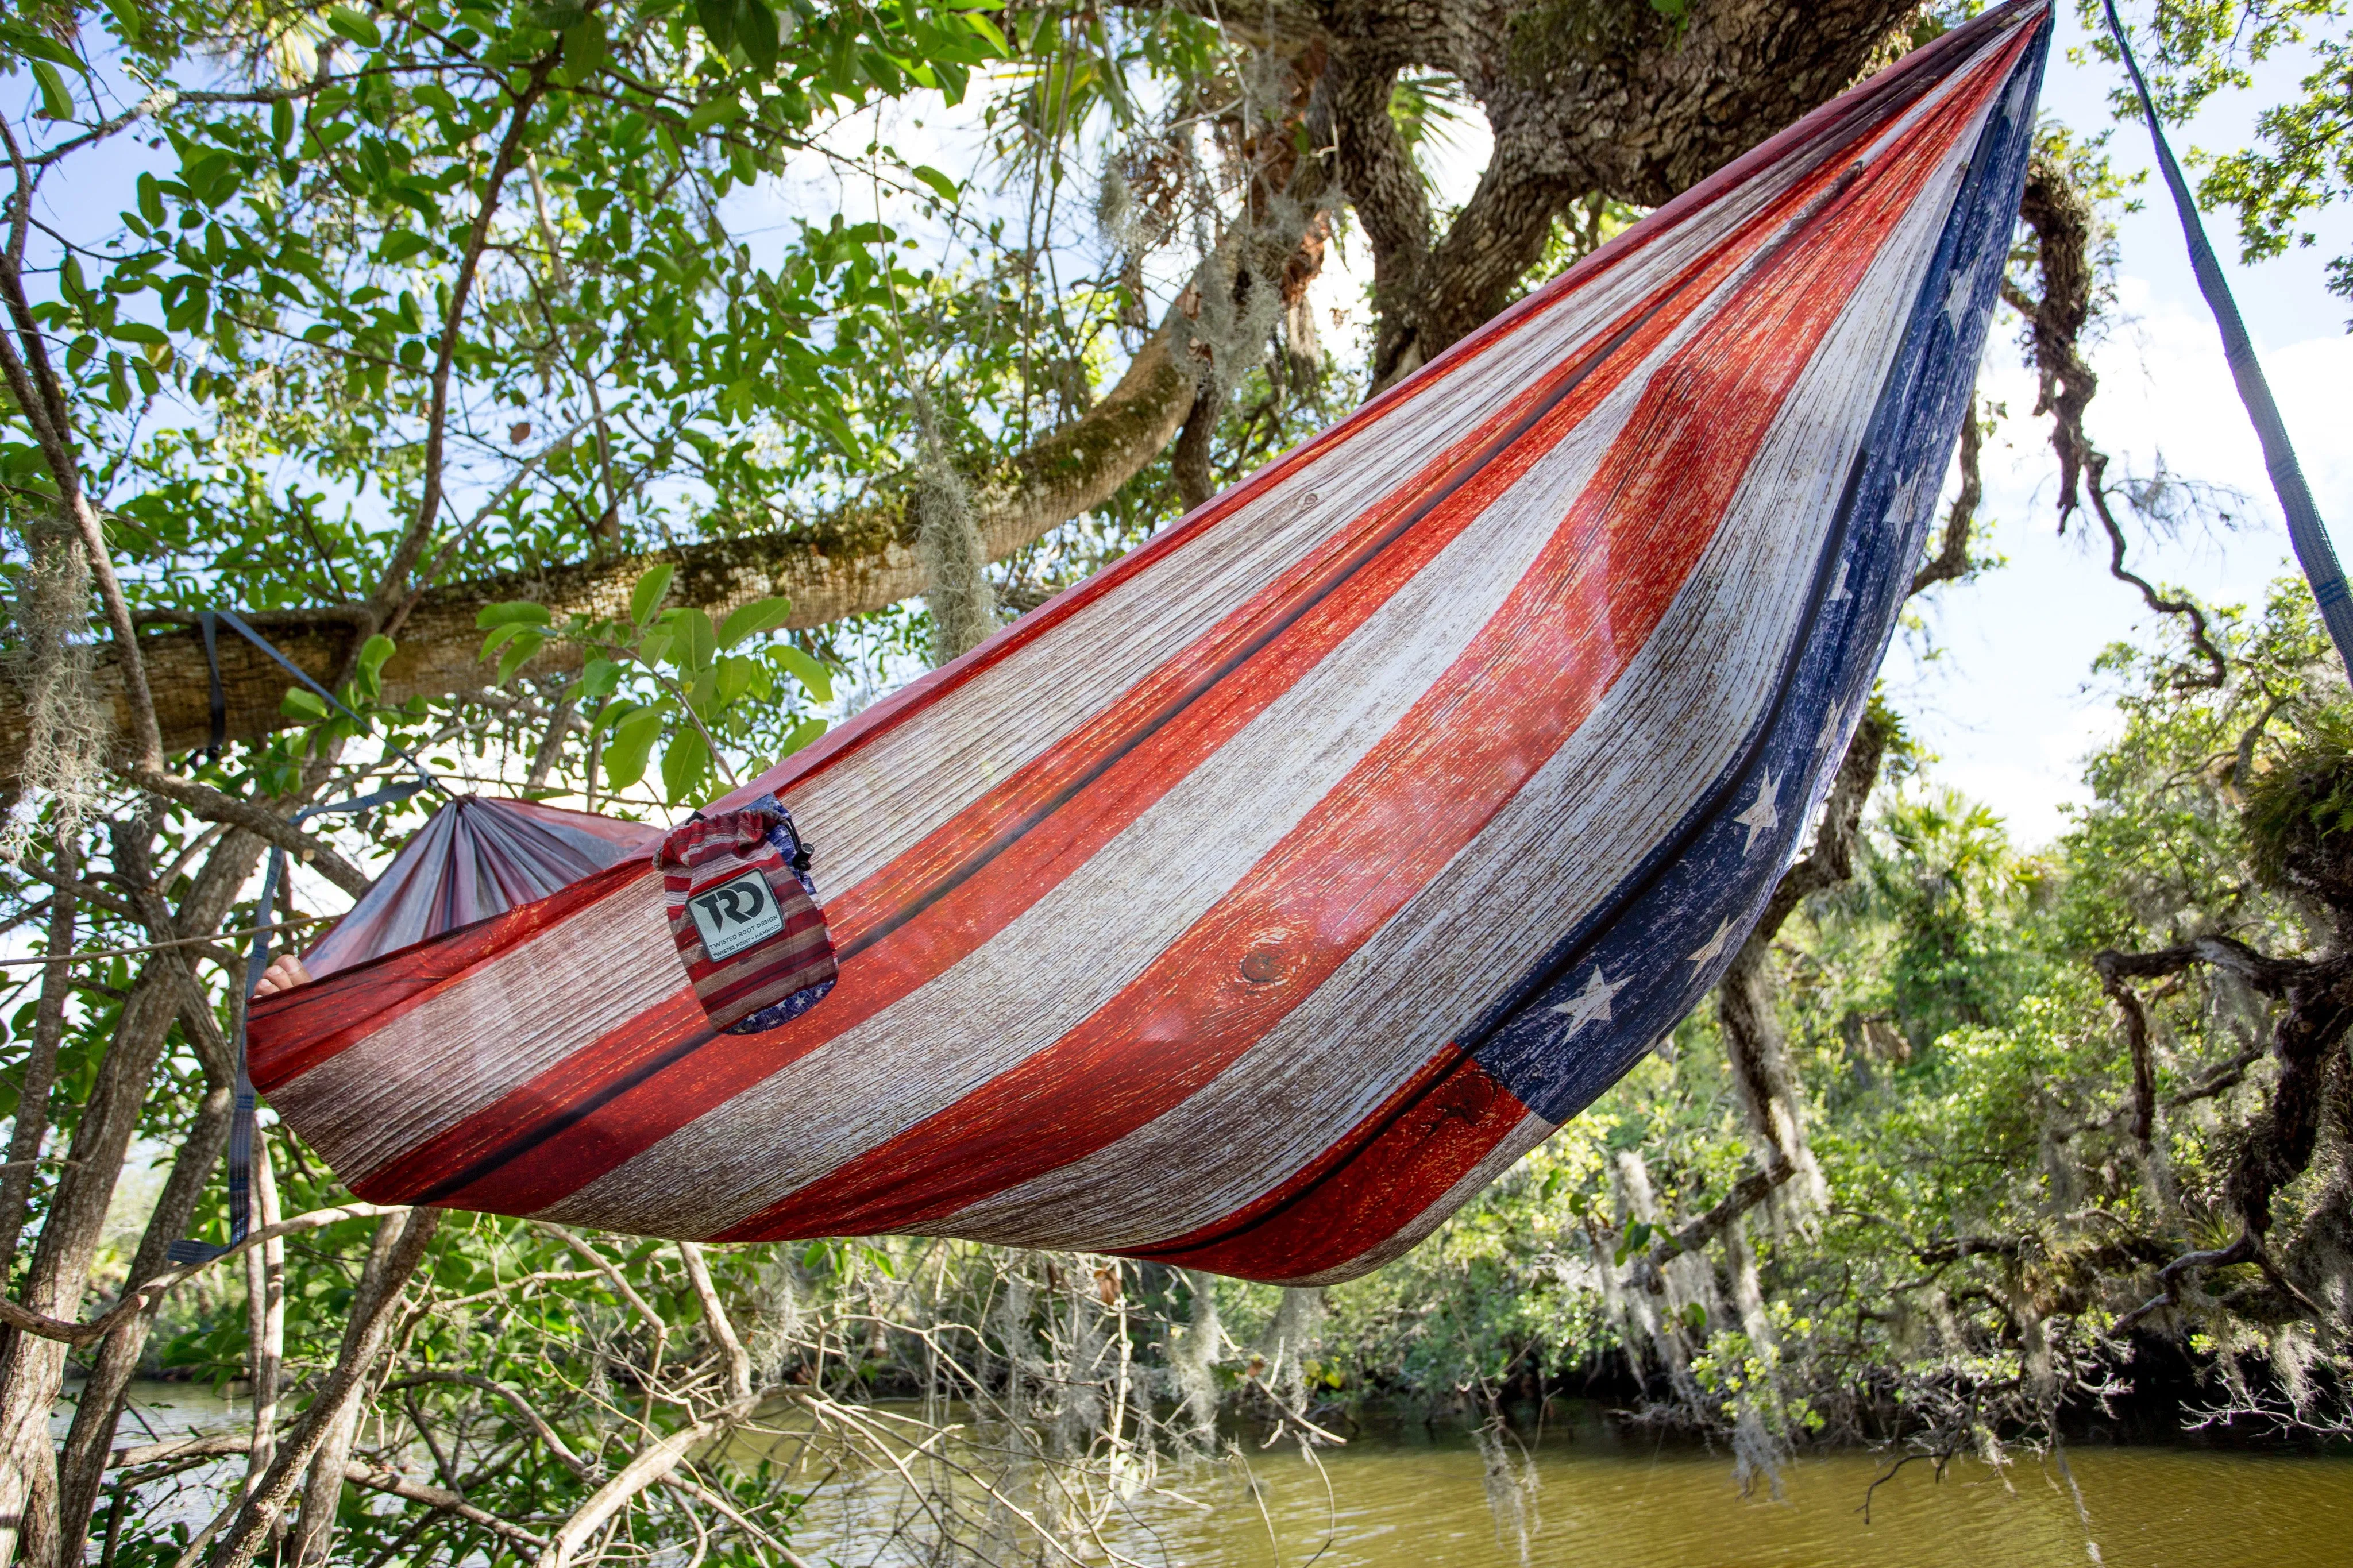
(1762,816)
(1959,295)
(1591,1005)
(1905,504)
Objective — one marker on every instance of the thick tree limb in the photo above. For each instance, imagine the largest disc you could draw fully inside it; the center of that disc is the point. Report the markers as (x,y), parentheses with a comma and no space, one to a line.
(2061,219)
(714,1318)
(859,559)
(1619,100)
(1952,558)
(2278,1144)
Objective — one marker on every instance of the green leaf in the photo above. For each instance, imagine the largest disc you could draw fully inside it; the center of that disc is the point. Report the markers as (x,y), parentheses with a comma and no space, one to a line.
(725,107)
(948,189)
(356,26)
(513,613)
(697,640)
(519,653)
(138,332)
(805,731)
(684,764)
(375,651)
(632,742)
(751,620)
(151,199)
(369,674)
(808,670)
(585,49)
(718,19)
(598,679)
(400,245)
(756,29)
(300,702)
(733,679)
(57,99)
(647,597)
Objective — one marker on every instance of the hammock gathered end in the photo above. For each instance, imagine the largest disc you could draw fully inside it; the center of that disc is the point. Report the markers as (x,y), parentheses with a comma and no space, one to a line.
(1254,903)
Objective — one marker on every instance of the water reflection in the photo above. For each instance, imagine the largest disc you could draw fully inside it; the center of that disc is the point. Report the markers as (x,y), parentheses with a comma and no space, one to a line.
(1414,1495)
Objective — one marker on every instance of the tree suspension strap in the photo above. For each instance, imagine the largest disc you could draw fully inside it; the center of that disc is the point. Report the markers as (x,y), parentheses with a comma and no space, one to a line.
(241,1119)
(2313,551)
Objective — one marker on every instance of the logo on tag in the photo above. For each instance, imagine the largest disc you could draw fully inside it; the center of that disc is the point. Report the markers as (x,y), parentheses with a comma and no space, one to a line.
(736,914)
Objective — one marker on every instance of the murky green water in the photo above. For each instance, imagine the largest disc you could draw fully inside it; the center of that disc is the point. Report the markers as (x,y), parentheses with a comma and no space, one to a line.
(1410,1496)
(1413,1497)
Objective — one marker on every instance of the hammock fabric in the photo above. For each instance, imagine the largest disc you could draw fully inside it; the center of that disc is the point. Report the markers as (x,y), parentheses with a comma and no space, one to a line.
(1255,902)
(478,857)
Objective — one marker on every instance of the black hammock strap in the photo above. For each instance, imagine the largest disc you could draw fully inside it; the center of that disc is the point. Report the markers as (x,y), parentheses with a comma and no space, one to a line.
(2313,551)
(241,1120)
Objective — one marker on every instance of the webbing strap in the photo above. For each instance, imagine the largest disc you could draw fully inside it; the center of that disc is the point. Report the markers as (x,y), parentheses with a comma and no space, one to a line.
(2313,552)
(241,1120)
(216,700)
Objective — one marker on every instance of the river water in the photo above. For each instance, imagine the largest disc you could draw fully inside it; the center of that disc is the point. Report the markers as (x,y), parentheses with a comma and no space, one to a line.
(1414,1496)
(1411,1495)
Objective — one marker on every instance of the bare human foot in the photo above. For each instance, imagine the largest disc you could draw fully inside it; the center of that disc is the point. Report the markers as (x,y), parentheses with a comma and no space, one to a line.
(283,975)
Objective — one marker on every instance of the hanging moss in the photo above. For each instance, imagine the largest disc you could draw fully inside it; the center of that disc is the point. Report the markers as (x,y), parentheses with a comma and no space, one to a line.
(66,722)
(2299,815)
(948,543)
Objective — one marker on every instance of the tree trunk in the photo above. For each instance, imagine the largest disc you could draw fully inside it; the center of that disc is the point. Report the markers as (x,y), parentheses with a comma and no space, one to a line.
(59,1274)
(82,1461)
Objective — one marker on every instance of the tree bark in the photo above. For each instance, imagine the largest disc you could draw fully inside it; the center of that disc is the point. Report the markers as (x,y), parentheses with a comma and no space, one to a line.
(82,1459)
(32,1119)
(1583,97)
(59,1272)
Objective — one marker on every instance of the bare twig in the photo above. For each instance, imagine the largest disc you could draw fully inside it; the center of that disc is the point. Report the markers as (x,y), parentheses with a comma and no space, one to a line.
(649,1465)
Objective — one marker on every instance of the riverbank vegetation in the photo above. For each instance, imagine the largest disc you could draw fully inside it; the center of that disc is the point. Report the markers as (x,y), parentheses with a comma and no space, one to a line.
(844,335)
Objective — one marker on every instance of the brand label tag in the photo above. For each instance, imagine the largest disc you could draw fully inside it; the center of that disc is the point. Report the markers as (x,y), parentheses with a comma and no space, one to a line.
(738,913)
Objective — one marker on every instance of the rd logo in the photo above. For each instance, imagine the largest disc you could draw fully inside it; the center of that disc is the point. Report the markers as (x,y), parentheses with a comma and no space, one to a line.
(736,914)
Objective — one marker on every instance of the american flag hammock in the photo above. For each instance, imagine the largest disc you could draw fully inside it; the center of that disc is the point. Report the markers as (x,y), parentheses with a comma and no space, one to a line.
(1255,902)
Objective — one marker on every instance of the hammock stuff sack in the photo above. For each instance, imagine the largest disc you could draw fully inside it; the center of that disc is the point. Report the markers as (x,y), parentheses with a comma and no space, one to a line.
(1254,902)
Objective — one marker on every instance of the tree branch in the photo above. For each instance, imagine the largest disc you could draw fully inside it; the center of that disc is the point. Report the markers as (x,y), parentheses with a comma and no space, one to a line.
(849,562)
(394,583)
(214,807)
(27,1321)
(439,1499)
(649,1465)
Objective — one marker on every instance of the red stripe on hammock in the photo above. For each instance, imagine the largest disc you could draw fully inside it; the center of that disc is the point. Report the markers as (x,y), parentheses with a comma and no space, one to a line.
(1388,1169)
(1535,673)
